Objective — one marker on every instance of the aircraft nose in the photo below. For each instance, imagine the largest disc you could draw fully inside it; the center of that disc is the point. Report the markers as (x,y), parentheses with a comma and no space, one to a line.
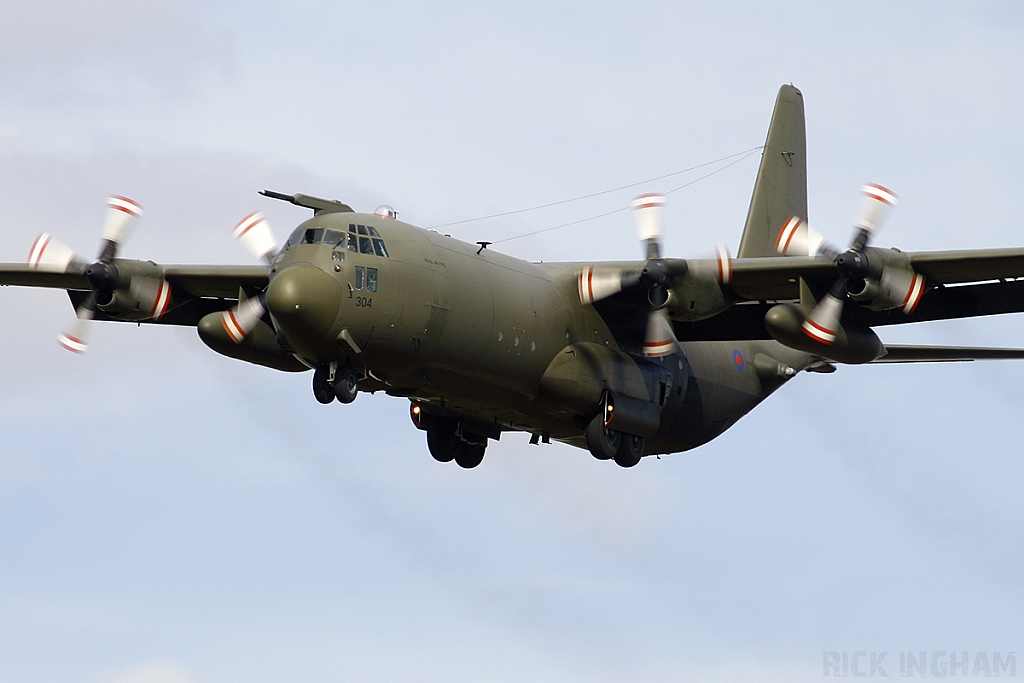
(304,301)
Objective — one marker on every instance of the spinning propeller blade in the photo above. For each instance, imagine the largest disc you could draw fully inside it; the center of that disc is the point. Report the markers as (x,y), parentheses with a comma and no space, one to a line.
(882,285)
(75,339)
(255,234)
(122,215)
(51,254)
(240,320)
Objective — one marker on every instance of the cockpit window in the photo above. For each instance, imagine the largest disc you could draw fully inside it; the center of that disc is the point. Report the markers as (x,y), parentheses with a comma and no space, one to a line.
(334,238)
(354,240)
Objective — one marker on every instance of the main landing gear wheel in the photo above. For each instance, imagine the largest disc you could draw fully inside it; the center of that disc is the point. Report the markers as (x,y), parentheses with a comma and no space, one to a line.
(631,449)
(446,445)
(442,442)
(345,383)
(322,389)
(602,442)
(470,455)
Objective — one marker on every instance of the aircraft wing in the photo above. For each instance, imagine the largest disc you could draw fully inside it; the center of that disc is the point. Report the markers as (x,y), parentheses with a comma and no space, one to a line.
(962,284)
(777,278)
(899,353)
(198,289)
(217,281)
(968,265)
(198,281)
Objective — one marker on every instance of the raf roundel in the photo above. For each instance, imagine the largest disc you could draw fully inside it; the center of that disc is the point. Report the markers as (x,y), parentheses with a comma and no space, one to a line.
(737,358)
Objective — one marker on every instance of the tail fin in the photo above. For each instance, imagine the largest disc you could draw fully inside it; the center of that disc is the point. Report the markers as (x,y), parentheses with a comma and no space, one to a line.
(781,187)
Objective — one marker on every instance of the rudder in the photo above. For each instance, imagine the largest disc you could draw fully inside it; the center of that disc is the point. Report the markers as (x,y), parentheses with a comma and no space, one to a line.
(781,187)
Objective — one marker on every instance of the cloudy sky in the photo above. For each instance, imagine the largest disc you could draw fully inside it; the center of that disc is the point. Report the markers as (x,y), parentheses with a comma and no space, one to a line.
(168,515)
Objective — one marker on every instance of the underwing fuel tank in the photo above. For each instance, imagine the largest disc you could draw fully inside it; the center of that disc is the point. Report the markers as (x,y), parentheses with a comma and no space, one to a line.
(259,346)
(852,343)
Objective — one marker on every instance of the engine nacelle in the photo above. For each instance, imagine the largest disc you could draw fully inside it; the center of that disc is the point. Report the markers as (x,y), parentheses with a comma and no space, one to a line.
(699,293)
(896,288)
(130,290)
(853,343)
(883,279)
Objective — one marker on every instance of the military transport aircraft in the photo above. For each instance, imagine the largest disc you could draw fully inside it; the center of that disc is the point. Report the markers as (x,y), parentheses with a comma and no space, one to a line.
(625,359)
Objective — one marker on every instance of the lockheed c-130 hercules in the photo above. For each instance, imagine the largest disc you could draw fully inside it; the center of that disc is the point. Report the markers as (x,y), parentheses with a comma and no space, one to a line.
(625,359)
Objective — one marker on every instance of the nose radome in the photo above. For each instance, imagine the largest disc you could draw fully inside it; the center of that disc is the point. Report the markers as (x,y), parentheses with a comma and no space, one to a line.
(304,301)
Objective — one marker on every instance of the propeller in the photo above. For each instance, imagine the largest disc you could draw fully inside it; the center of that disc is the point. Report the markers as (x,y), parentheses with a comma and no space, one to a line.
(896,285)
(255,235)
(659,337)
(50,254)
(654,275)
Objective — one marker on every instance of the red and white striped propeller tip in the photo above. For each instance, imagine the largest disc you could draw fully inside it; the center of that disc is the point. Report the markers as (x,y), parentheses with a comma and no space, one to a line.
(122,214)
(75,339)
(877,203)
(724,262)
(51,254)
(255,234)
(240,320)
(822,324)
(659,338)
(648,209)
(797,238)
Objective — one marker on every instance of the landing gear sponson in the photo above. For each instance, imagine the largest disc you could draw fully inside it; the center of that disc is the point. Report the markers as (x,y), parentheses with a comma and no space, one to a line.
(449,439)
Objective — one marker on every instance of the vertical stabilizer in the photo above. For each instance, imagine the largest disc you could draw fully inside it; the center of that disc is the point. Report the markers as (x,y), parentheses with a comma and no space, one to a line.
(781,187)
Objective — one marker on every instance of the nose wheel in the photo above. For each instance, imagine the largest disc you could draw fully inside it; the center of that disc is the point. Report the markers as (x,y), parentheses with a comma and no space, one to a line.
(345,384)
(335,382)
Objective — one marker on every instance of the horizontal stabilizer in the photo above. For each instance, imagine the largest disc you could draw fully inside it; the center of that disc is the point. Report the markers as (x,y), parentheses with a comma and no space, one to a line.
(899,353)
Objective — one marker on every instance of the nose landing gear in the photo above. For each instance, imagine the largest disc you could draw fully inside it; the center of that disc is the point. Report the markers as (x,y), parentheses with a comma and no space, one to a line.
(335,382)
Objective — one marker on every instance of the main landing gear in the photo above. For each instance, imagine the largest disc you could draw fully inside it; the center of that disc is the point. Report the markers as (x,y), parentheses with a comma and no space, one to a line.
(609,444)
(335,382)
(447,442)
